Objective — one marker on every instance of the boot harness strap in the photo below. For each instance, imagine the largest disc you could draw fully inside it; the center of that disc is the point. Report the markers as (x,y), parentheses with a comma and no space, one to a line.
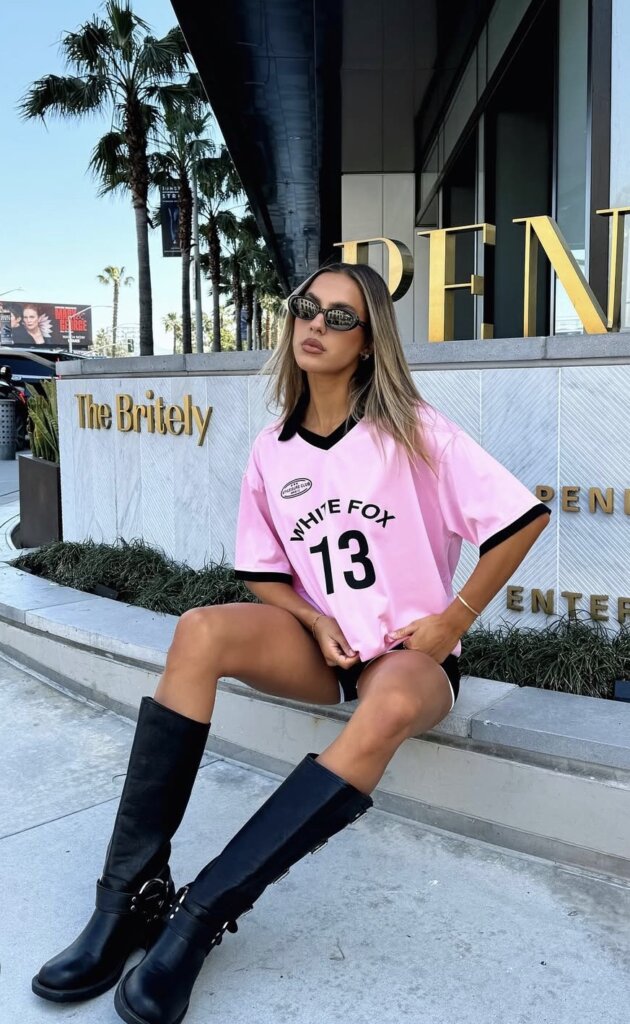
(192,923)
(148,901)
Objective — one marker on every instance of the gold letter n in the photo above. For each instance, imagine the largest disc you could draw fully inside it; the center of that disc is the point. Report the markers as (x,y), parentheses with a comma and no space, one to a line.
(579,291)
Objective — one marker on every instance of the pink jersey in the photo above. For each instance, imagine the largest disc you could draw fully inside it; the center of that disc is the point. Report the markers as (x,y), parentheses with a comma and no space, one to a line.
(372,542)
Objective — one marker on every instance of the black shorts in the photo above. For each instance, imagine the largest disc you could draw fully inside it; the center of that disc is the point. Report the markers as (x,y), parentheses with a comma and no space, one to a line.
(348,677)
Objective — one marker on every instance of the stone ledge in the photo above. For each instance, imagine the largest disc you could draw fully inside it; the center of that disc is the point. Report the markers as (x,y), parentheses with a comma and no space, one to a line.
(554,350)
(521,721)
(562,724)
(571,815)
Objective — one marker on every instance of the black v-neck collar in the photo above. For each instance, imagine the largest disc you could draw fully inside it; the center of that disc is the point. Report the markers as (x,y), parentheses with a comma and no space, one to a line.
(319,441)
(293,426)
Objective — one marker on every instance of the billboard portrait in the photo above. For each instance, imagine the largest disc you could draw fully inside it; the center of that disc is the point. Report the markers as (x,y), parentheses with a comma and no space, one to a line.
(33,324)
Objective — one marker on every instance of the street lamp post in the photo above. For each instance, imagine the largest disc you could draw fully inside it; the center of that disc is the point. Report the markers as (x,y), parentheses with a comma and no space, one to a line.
(11,290)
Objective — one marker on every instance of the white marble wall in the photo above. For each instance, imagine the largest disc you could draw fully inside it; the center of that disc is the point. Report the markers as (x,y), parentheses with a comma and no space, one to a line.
(552,425)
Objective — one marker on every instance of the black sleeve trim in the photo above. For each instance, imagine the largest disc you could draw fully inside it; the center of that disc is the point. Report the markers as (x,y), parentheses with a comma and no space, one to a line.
(263,577)
(518,524)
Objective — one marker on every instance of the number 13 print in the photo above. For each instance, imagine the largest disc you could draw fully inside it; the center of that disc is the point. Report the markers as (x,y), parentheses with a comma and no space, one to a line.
(359,557)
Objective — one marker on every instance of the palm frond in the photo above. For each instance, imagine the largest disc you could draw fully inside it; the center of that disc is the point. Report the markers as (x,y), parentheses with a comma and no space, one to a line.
(172,97)
(176,39)
(195,88)
(150,116)
(64,96)
(88,48)
(228,224)
(166,57)
(200,149)
(110,162)
(164,169)
(124,24)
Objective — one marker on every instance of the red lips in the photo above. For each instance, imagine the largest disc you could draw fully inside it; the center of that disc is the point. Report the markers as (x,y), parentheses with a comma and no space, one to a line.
(313,343)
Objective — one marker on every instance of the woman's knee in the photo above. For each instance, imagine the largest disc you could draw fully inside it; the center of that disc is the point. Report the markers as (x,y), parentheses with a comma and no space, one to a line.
(392,713)
(197,634)
(195,619)
(210,621)
(213,634)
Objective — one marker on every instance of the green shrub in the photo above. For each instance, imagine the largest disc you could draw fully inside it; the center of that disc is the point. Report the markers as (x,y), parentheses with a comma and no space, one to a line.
(572,655)
(140,574)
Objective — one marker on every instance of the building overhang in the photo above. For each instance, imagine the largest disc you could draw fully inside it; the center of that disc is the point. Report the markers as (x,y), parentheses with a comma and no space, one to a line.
(271,74)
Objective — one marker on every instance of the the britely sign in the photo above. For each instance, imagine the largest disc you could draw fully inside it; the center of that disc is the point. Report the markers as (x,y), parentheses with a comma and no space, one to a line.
(156,416)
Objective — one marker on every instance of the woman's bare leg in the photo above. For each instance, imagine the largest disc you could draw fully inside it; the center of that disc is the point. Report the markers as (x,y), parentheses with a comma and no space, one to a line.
(259,644)
(401,695)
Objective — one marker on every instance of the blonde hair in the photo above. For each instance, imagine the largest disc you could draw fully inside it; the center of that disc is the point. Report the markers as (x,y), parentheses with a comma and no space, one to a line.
(382,388)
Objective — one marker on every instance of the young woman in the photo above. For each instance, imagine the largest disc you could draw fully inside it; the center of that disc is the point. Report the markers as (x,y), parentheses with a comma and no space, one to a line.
(353,507)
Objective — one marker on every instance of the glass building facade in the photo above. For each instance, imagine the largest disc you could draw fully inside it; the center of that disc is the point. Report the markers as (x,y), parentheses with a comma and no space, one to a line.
(359,119)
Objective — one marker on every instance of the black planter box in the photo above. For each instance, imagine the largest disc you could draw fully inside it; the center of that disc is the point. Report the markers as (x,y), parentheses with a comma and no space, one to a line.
(40,501)
(622,690)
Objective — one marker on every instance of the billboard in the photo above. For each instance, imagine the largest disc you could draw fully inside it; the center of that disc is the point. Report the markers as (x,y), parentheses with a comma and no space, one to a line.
(169,219)
(29,324)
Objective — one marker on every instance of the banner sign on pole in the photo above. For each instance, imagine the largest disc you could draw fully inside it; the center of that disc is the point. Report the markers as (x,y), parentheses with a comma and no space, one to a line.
(169,218)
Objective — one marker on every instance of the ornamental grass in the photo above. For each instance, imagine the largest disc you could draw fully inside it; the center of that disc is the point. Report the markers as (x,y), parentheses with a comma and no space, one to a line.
(571,654)
(137,573)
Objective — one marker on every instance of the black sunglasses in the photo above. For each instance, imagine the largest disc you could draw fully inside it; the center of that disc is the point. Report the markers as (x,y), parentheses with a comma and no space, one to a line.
(335,318)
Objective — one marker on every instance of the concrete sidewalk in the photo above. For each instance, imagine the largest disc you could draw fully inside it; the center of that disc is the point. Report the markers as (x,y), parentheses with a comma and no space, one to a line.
(391,921)
(8,480)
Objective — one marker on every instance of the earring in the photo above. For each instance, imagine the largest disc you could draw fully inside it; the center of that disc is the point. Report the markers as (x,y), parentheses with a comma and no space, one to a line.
(365,355)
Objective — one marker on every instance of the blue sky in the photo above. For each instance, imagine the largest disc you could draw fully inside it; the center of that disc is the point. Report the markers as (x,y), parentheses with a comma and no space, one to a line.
(56,234)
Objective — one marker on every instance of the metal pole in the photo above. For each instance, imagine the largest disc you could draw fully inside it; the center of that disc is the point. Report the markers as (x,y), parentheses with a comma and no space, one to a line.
(197,268)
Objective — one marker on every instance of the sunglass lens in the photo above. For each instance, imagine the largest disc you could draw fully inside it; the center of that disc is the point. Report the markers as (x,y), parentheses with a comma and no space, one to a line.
(303,308)
(340,319)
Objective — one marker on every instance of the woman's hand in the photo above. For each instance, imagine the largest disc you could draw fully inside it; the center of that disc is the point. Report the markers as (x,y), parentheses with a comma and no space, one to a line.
(433,635)
(333,644)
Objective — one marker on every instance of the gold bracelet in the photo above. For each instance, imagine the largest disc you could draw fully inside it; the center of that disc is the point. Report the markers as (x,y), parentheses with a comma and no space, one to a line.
(317,617)
(467,605)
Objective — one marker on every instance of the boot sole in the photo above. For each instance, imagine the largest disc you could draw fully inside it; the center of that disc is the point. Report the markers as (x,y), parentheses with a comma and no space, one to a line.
(74,995)
(124,1010)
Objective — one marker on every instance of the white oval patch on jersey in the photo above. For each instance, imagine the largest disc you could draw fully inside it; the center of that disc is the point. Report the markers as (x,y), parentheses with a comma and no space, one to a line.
(296,487)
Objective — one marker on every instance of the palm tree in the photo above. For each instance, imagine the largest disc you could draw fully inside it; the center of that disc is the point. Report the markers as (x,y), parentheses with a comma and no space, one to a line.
(274,307)
(241,242)
(218,185)
(183,155)
(172,322)
(251,266)
(116,66)
(271,299)
(251,274)
(116,277)
(227,327)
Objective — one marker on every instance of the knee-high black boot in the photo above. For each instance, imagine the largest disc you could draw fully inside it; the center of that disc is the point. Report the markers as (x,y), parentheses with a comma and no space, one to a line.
(136,884)
(309,807)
